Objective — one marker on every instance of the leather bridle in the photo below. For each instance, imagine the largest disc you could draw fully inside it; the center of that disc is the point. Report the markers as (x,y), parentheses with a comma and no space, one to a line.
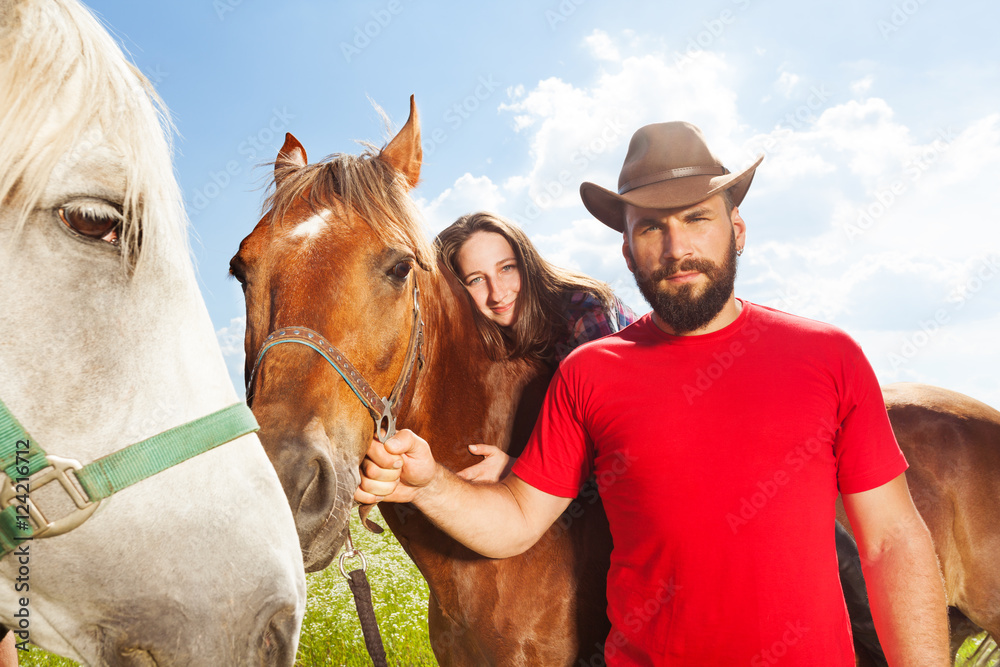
(385,410)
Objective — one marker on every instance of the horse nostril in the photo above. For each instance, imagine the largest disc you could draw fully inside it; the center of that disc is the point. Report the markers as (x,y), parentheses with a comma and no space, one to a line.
(136,657)
(279,639)
(317,494)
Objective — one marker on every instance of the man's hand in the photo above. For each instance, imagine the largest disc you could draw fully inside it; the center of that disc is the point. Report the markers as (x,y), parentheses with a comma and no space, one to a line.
(494,466)
(396,470)
(497,520)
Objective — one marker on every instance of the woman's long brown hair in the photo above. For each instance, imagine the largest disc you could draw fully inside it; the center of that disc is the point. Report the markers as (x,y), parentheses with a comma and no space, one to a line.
(541,299)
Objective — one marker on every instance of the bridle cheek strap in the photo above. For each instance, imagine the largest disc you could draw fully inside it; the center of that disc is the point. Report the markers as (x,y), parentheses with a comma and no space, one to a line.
(384,411)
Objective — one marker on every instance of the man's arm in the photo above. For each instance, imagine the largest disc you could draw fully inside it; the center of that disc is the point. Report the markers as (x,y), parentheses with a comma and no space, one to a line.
(902,574)
(495,520)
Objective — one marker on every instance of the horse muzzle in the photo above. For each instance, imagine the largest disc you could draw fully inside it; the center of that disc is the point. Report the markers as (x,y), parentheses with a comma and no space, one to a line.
(267,638)
(319,483)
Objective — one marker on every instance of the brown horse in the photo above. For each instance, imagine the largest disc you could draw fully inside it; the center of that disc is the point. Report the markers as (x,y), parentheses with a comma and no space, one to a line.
(337,251)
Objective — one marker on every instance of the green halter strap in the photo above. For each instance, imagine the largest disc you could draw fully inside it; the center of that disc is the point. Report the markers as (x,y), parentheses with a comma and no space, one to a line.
(25,467)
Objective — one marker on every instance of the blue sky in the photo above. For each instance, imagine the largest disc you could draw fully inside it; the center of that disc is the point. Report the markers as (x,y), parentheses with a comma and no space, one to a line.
(874,208)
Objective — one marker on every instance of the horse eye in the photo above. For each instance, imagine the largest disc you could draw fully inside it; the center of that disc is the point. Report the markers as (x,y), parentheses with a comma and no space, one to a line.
(93,220)
(401,270)
(236,273)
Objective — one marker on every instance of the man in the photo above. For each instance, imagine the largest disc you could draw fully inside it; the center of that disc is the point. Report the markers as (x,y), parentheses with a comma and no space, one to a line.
(721,433)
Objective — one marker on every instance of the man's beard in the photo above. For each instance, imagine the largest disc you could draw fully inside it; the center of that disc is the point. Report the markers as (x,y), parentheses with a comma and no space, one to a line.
(680,309)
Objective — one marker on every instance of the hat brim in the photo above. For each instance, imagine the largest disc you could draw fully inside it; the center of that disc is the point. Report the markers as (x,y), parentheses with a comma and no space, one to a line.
(609,207)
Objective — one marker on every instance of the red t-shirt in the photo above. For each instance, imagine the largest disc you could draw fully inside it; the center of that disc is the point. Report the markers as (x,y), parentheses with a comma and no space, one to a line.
(719,458)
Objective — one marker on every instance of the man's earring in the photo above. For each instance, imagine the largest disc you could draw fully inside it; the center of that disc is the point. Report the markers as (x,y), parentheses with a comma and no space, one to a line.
(739,252)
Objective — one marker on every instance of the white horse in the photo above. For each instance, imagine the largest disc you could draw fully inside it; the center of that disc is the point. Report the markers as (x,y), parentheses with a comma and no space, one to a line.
(105,341)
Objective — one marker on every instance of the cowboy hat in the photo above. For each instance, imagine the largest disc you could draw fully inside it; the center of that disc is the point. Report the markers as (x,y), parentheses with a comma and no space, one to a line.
(668,165)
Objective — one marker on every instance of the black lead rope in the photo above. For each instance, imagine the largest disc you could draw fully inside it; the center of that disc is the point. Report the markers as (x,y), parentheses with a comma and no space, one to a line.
(366,614)
(362,591)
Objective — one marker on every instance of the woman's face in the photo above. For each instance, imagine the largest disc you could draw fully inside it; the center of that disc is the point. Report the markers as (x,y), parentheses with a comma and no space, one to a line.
(488,268)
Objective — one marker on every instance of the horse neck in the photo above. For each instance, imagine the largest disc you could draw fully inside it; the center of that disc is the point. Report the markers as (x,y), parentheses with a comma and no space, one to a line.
(462,396)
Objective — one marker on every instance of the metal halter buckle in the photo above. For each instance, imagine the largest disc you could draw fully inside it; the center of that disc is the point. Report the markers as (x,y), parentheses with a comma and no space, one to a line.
(351,552)
(59,471)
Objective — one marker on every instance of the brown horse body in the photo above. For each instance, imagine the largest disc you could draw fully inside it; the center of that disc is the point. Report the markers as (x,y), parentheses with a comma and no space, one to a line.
(952,443)
(328,258)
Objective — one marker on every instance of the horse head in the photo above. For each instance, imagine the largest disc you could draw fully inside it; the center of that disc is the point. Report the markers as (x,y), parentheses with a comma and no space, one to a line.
(335,255)
(107,342)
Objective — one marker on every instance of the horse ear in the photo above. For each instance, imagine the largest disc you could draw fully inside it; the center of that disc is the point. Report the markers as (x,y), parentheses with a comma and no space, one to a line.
(292,154)
(404,153)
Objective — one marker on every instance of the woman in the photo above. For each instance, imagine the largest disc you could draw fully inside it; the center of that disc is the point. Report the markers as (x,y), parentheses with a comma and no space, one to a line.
(523,306)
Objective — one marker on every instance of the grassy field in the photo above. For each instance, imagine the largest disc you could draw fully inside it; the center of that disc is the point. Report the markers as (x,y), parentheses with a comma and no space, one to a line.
(331,634)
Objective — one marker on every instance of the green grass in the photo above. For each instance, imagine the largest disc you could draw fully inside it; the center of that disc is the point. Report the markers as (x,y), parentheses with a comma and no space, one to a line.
(968,649)
(331,633)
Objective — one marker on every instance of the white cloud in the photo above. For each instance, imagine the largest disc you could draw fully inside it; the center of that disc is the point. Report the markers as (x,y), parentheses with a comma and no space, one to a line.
(468,194)
(867,133)
(601,46)
(862,86)
(786,83)
(581,133)
(855,217)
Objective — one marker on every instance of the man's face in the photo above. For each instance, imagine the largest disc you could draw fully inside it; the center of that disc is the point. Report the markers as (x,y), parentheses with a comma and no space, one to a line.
(684,260)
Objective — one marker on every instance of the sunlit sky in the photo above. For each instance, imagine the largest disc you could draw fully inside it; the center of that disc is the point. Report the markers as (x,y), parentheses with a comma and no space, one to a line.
(874,208)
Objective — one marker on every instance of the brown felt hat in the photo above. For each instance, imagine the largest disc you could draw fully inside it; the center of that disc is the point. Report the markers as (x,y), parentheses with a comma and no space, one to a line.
(668,165)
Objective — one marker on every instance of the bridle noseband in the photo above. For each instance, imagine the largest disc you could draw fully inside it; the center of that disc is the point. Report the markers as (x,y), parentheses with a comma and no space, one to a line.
(25,467)
(383,410)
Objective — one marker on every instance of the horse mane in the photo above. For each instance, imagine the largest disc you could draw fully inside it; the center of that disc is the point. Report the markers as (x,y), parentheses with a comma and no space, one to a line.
(365,183)
(66,86)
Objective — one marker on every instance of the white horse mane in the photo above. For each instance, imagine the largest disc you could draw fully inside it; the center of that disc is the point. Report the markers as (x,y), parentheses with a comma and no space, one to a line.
(65,86)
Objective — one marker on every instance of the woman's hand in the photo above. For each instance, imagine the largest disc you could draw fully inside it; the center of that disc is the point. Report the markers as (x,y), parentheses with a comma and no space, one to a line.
(492,468)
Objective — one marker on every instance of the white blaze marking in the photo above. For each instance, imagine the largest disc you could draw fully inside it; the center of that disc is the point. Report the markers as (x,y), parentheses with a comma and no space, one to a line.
(311,226)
